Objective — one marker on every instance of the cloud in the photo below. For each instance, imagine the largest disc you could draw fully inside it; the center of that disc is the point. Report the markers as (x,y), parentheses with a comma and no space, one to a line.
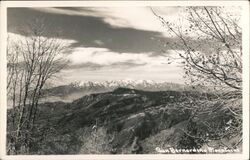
(120,29)
(87,65)
(140,18)
(101,64)
(99,42)
(103,56)
(160,73)
(87,31)
(22,41)
(20,38)
(94,66)
(89,27)
(102,51)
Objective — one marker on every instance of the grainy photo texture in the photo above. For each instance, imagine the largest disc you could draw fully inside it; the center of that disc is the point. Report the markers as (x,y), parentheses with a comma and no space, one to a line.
(124,80)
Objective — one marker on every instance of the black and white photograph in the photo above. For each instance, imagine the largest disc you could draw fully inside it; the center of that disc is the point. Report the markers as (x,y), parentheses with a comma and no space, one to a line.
(122,80)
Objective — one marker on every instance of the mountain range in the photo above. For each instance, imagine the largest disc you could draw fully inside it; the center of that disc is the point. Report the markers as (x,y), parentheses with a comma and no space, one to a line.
(75,90)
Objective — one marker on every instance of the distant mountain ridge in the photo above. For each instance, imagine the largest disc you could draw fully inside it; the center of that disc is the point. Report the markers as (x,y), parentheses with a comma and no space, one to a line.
(132,84)
(77,89)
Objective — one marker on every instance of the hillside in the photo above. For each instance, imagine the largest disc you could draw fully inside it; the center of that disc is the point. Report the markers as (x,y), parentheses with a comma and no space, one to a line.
(121,121)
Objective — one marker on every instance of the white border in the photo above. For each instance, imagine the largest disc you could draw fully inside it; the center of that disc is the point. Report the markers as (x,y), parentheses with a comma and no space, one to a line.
(3,34)
(120,3)
(246,67)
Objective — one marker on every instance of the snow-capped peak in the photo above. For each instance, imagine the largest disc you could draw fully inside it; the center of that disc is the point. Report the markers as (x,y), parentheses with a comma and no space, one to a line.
(126,83)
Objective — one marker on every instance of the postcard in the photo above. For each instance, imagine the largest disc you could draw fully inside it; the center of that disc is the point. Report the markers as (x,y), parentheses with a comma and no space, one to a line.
(124,80)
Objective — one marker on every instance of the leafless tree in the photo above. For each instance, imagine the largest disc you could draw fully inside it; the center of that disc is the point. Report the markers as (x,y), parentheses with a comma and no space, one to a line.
(32,61)
(211,54)
(212,46)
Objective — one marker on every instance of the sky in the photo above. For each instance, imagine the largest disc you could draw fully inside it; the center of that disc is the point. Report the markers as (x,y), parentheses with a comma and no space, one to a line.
(107,43)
